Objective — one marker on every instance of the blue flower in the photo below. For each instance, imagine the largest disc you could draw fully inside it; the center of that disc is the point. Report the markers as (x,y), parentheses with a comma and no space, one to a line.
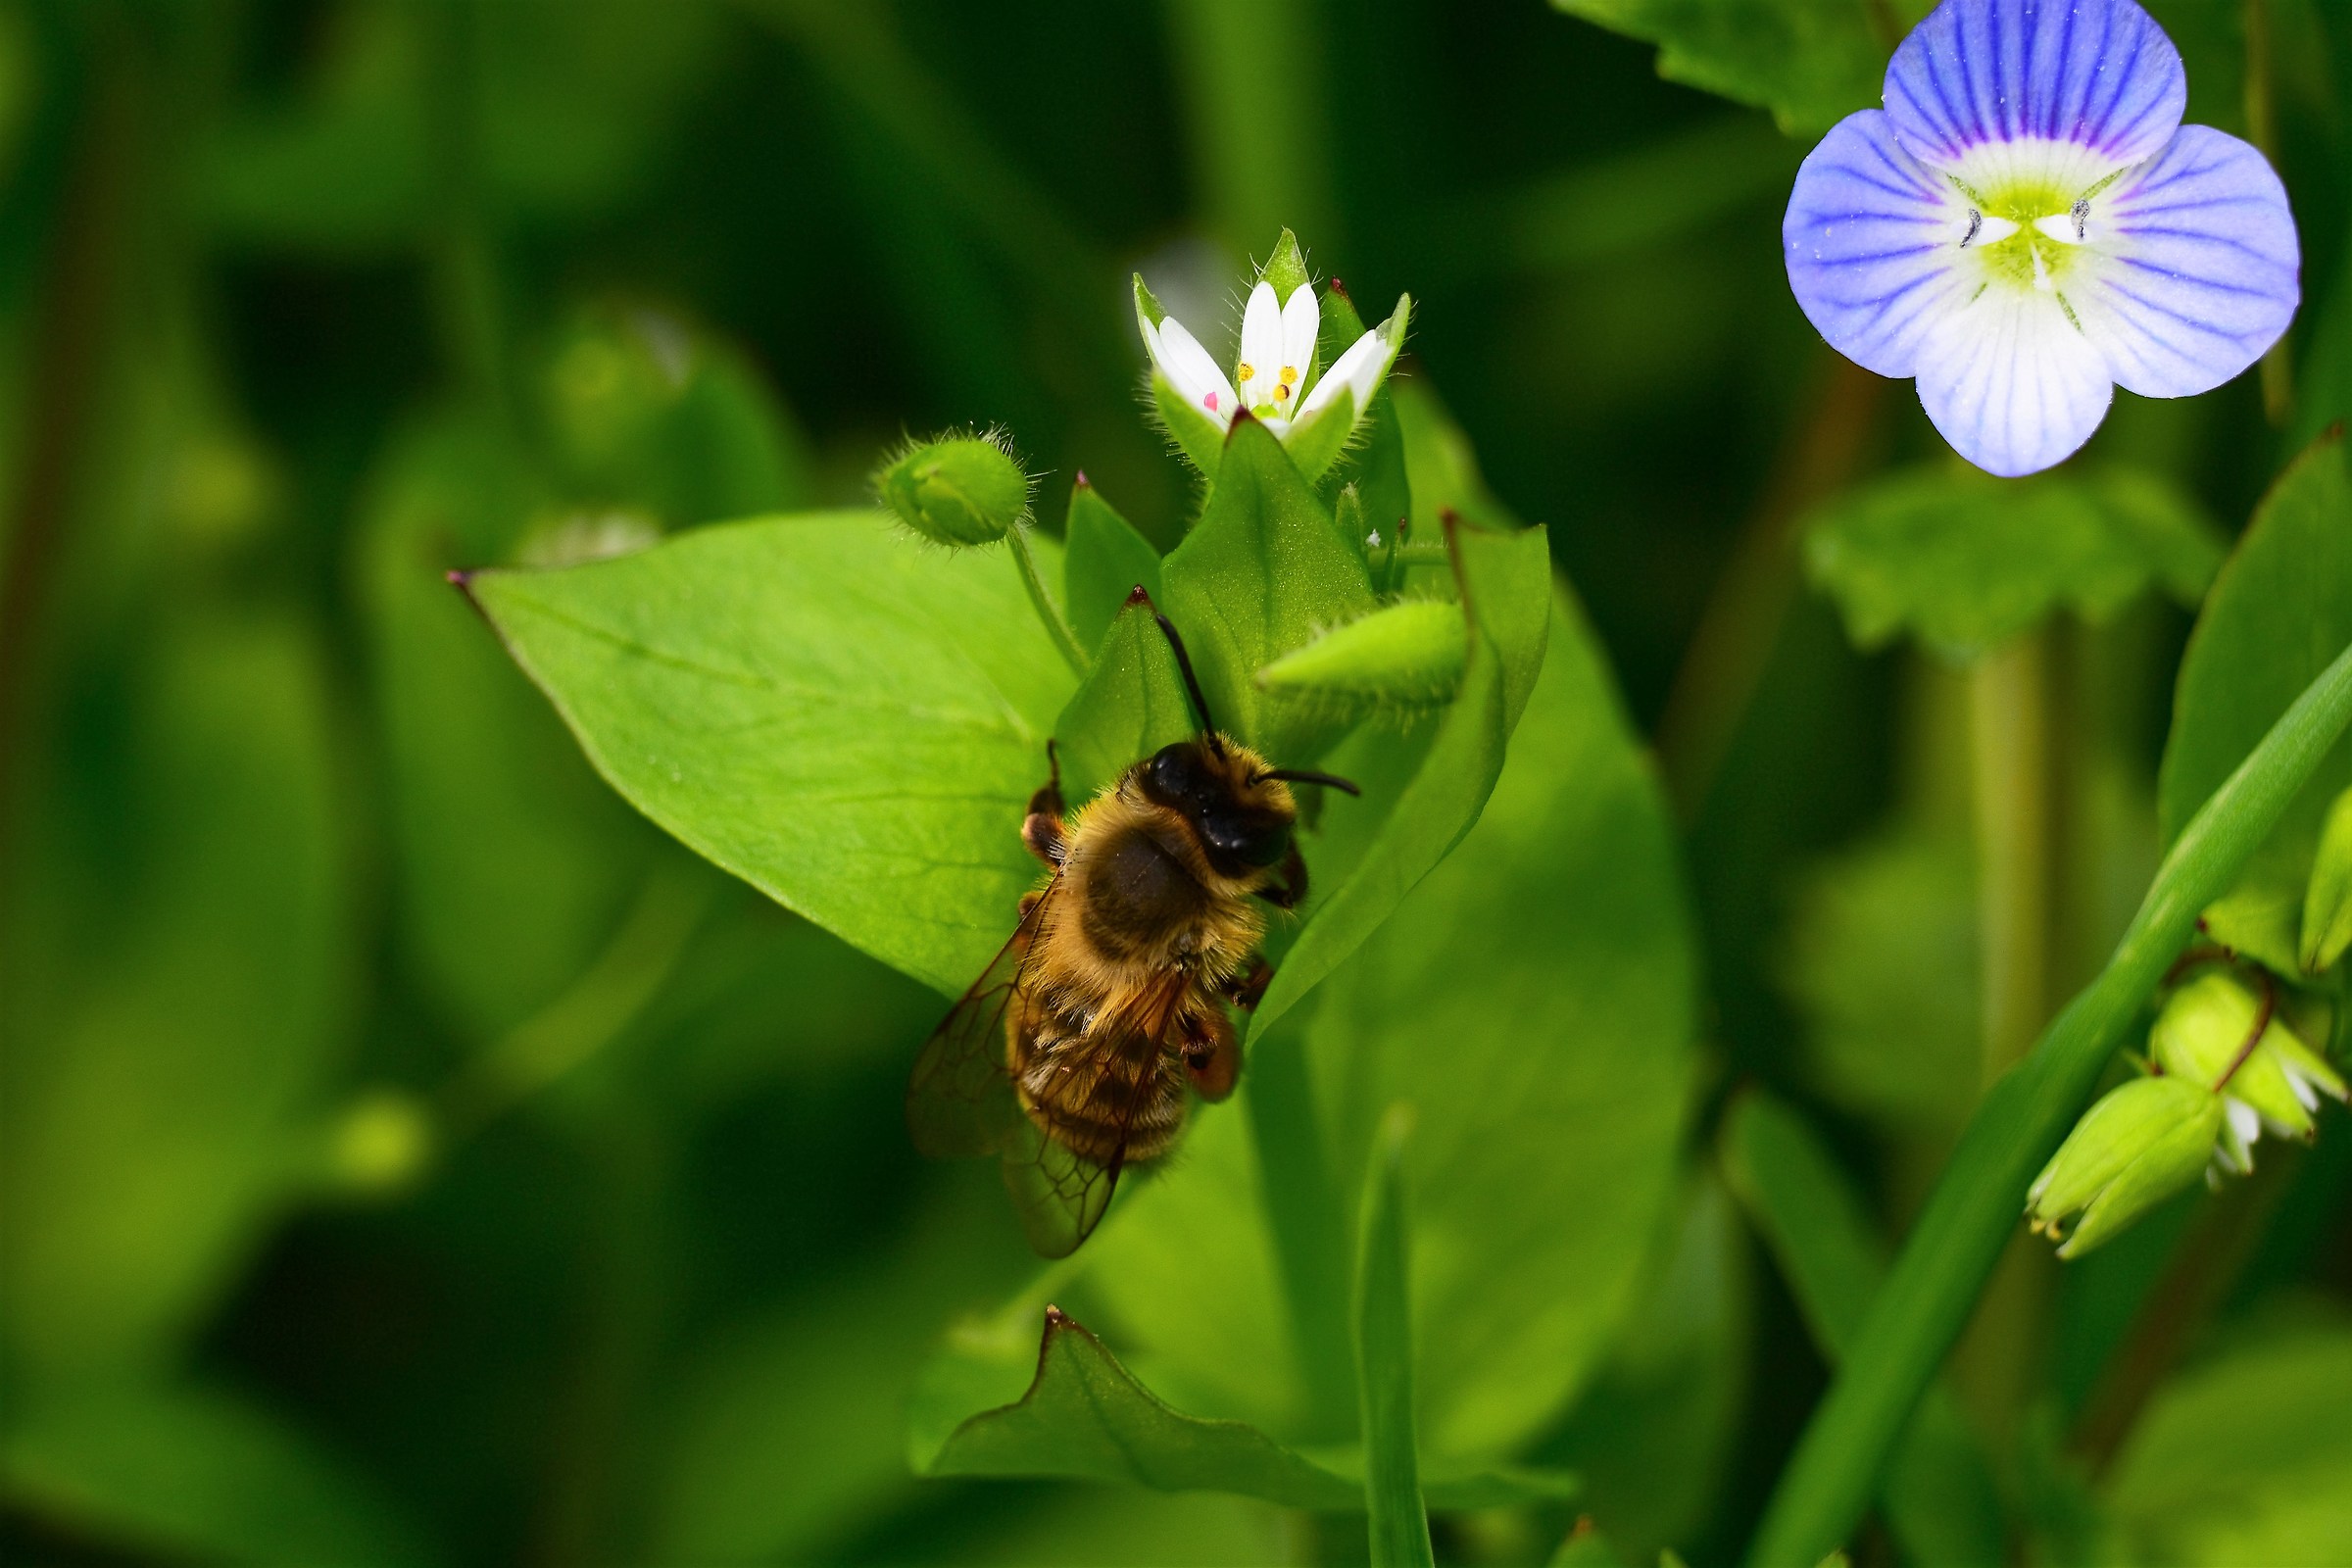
(2027,224)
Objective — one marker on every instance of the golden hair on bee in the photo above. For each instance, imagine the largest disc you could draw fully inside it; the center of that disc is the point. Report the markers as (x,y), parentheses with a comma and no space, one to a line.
(1109,1002)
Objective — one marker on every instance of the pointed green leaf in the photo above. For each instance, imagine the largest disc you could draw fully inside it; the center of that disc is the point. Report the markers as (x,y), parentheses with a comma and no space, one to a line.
(1262,572)
(851,724)
(2276,615)
(1384,1359)
(1403,658)
(1085,1416)
(1103,561)
(2328,900)
(1131,704)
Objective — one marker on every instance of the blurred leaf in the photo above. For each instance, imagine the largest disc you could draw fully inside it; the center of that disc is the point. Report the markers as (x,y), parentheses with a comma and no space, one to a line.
(851,725)
(2248,1457)
(2325,398)
(193,1473)
(1810,62)
(2280,612)
(1261,573)
(647,413)
(561,120)
(1384,1355)
(162,1063)
(1938,1493)
(1086,1415)
(1963,560)
(514,863)
(1654,1432)
(1882,959)
(1130,704)
(1104,560)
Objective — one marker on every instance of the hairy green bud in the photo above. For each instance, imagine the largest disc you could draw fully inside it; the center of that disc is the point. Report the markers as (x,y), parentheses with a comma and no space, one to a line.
(958,490)
(1406,656)
(2135,1148)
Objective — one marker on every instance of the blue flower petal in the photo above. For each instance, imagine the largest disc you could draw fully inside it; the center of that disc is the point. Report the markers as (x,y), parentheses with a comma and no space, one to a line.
(2100,73)
(2012,382)
(2197,269)
(1870,243)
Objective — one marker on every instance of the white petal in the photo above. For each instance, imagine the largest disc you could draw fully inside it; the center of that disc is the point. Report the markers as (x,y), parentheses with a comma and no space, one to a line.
(2246,1123)
(1190,370)
(1262,349)
(2011,381)
(1358,370)
(1302,318)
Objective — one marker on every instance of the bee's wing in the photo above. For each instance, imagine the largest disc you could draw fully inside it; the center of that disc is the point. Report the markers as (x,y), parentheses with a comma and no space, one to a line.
(959,1101)
(1062,1195)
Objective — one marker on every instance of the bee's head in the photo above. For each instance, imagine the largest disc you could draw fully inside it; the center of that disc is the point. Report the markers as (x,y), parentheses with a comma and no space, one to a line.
(1240,807)
(1241,811)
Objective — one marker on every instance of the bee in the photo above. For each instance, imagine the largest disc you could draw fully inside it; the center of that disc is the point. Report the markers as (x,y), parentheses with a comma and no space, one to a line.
(1077,1051)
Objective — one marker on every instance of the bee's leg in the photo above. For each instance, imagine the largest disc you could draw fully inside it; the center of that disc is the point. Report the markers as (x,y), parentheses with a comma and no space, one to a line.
(1042,829)
(1245,990)
(1291,891)
(1213,1055)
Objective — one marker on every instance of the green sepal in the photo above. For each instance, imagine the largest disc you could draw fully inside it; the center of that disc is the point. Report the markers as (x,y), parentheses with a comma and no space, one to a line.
(2327,898)
(2204,1028)
(2139,1144)
(1103,561)
(1148,311)
(1315,445)
(1403,657)
(1198,436)
(1286,270)
(1375,462)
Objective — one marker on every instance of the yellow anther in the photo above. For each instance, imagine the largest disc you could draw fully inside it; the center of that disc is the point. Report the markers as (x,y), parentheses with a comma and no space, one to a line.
(1283,391)
(1290,373)
(1247,371)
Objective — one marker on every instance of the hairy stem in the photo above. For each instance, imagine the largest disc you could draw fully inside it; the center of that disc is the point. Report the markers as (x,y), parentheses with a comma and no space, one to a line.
(1058,627)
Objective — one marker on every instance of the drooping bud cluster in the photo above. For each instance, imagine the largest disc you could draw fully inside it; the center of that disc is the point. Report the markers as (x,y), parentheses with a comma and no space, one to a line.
(2225,1068)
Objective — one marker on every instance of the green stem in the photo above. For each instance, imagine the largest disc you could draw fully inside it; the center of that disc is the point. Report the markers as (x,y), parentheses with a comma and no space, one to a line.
(1048,612)
(1384,1359)
(1304,1213)
(2262,128)
(1972,1213)
(462,258)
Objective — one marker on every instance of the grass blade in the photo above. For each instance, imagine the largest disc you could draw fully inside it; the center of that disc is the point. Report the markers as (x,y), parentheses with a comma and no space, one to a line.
(1914,1320)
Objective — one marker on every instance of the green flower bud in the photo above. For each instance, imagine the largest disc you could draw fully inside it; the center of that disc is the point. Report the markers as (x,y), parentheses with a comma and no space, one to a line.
(1406,656)
(959,490)
(2328,900)
(2135,1148)
(2201,1035)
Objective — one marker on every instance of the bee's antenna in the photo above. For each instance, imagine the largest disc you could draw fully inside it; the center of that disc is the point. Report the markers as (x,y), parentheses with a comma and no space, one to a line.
(1184,662)
(1305,776)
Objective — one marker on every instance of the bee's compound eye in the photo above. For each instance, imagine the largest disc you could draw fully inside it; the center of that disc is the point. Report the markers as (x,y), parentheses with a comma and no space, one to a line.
(1258,842)
(1173,775)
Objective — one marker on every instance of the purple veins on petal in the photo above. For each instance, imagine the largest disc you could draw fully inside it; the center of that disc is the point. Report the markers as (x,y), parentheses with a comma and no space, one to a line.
(2097,73)
(1856,244)
(2184,303)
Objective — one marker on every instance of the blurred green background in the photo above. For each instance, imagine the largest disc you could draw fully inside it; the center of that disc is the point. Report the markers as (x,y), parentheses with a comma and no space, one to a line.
(411,1154)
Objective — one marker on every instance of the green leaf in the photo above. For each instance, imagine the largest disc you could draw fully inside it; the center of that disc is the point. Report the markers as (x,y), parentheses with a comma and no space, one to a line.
(179,957)
(1963,560)
(1404,658)
(1407,827)
(1384,1357)
(851,725)
(1654,1431)
(2328,900)
(1086,1415)
(1810,62)
(1103,561)
(2248,1457)
(193,1473)
(1939,1493)
(1974,1209)
(1131,704)
(1261,573)
(2276,615)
